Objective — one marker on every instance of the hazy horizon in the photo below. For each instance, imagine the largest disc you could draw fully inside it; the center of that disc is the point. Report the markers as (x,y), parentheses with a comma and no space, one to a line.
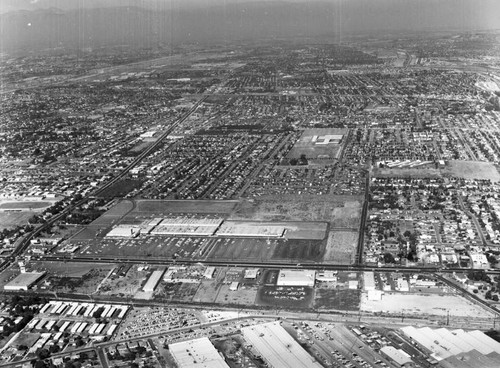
(87,23)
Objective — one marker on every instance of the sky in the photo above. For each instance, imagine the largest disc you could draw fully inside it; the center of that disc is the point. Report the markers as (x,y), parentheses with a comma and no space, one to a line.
(209,20)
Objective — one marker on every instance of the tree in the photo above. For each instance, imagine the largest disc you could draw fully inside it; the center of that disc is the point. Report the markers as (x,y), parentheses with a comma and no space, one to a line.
(389,258)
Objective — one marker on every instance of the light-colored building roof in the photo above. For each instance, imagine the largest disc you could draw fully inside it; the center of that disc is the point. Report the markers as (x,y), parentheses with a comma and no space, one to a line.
(296,277)
(251,273)
(199,353)
(445,344)
(124,231)
(23,281)
(250,229)
(397,355)
(277,347)
(153,281)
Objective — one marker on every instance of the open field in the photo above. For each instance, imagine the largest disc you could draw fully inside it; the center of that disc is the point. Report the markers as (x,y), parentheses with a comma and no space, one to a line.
(114,214)
(294,209)
(460,169)
(121,188)
(423,304)
(473,170)
(13,219)
(299,250)
(24,205)
(348,216)
(70,269)
(285,297)
(242,248)
(245,295)
(183,292)
(341,247)
(125,286)
(159,207)
(336,299)
(207,291)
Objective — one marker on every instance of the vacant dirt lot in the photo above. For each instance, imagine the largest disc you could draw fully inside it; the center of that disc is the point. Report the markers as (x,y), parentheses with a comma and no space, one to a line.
(341,247)
(423,304)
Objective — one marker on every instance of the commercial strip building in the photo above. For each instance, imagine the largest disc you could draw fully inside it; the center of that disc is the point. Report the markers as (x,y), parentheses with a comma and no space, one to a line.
(199,353)
(296,278)
(250,229)
(277,347)
(124,231)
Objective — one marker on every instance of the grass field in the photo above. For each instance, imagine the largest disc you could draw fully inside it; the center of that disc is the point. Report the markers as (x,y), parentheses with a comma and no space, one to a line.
(473,170)
(121,188)
(348,216)
(12,219)
(242,248)
(299,250)
(337,299)
(73,269)
(341,247)
(24,205)
(159,207)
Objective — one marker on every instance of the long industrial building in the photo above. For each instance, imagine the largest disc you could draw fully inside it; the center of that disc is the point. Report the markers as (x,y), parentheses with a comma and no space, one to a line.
(199,353)
(457,347)
(277,347)
(153,281)
(250,229)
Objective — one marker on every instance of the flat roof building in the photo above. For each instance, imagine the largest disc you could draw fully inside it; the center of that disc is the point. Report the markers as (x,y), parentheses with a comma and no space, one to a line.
(24,281)
(153,281)
(124,231)
(296,278)
(397,356)
(199,353)
(277,347)
(250,229)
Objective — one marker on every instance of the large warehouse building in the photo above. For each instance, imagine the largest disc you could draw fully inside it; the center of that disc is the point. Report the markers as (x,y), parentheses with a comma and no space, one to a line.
(277,347)
(199,353)
(296,278)
(457,346)
(24,281)
(124,231)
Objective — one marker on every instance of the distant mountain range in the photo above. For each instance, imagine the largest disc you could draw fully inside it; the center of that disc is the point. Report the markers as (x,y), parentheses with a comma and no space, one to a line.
(31,24)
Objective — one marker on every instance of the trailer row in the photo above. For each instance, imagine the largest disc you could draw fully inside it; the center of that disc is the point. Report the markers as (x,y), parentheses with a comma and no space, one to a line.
(84,309)
(74,327)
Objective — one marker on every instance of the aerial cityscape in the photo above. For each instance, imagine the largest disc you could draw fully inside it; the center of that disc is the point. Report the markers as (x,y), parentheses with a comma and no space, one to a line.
(249,184)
